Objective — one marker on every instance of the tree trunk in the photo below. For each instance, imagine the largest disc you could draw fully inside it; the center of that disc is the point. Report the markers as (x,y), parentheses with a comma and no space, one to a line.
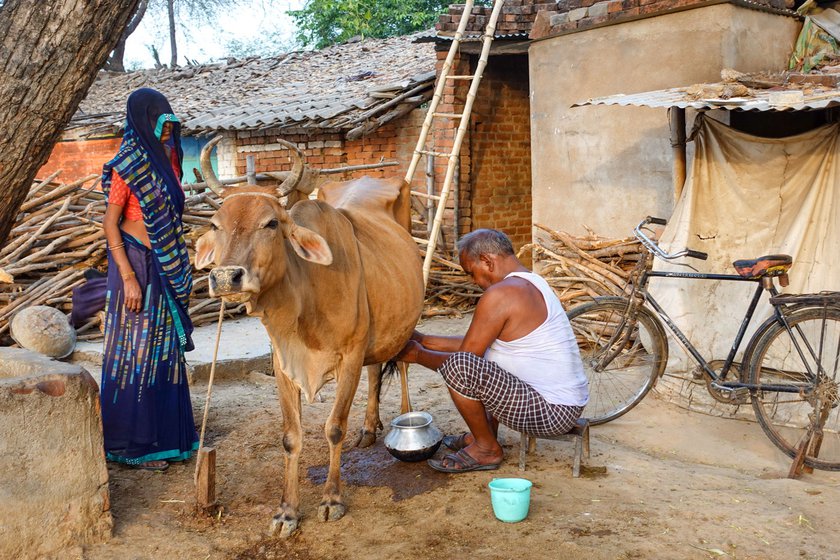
(115,61)
(50,52)
(173,59)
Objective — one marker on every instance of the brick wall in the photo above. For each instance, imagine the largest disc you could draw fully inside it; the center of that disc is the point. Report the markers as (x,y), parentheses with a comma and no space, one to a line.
(77,159)
(394,141)
(501,150)
(494,175)
(543,18)
(517,16)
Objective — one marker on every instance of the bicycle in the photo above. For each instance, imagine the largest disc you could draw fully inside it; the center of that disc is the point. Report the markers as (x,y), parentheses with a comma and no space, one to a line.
(788,370)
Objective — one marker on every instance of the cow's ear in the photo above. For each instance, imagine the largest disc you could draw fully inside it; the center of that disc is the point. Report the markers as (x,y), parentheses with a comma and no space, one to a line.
(205,250)
(310,246)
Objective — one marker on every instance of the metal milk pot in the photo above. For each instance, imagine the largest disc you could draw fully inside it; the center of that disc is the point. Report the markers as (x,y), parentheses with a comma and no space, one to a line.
(413,437)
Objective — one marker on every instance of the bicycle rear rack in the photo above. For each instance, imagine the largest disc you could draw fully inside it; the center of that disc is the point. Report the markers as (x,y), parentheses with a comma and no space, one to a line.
(822,299)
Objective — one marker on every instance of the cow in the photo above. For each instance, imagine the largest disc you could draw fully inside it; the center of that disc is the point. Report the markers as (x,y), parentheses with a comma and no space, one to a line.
(337,283)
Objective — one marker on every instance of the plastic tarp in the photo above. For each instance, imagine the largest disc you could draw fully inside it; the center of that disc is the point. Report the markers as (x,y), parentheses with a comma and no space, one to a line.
(746,197)
(818,38)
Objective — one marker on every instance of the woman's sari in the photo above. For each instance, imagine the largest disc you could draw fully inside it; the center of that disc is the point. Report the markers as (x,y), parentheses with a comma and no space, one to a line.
(146,409)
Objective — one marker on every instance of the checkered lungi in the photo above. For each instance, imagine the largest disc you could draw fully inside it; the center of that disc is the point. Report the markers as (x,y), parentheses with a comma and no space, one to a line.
(510,400)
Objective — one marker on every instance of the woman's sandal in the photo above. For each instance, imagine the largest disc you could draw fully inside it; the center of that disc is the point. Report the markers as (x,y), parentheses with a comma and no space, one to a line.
(461,462)
(156,466)
(456,443)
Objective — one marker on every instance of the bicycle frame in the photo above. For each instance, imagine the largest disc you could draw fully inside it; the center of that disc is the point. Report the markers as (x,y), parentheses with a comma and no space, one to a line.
(739,337)
(698,357)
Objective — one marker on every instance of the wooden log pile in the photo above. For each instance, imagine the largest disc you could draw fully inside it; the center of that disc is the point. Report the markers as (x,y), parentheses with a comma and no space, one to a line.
(58,236)
(449,291)
(579,268)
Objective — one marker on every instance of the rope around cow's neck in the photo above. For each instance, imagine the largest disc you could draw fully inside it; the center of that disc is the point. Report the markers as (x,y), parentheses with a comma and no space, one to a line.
(209,390)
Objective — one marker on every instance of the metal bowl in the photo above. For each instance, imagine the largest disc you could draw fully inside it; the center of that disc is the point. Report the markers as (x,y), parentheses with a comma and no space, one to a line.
(413,437)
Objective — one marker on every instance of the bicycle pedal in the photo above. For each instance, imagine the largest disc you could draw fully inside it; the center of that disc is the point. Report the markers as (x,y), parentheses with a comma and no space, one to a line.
(729,395)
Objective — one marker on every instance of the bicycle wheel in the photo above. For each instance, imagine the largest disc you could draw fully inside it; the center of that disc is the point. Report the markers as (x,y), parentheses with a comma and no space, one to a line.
(808,362)
(635,358)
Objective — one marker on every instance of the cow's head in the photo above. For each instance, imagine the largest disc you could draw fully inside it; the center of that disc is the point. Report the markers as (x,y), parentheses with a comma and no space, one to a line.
(251,233)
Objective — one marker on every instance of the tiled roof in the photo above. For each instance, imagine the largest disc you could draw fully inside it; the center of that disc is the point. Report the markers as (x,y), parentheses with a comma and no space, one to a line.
(340,87)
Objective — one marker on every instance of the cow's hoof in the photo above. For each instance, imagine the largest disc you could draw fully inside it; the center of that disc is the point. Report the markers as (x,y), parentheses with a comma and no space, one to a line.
(331,511)
(283,525)
(366,439)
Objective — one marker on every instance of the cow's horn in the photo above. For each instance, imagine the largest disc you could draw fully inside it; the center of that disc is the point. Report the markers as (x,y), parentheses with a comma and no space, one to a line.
(297,169)
(207,169)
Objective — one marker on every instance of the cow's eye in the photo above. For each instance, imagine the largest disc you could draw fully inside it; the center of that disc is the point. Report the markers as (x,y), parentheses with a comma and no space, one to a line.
(272,224)
(213,226)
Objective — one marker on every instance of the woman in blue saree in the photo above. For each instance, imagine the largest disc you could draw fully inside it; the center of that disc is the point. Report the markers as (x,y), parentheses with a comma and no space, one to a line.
(146,412)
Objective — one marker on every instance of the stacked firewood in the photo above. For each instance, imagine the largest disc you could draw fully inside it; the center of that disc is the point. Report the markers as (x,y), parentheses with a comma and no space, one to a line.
(579,268)
(449,291)
(58,236)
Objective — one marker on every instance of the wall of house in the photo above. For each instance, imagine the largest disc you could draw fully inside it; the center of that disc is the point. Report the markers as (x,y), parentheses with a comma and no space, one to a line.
(494,173)
(501,150)
(77,159)
(394,141)
(607,167)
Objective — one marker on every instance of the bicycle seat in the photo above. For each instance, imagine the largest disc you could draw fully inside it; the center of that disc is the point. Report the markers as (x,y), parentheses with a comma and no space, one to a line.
(768,265)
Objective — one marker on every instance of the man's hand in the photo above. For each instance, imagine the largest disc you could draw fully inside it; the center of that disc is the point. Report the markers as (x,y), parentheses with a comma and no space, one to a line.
(410,353)
(133,295)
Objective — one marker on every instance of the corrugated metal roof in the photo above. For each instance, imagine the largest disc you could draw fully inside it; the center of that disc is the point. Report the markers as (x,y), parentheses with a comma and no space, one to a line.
(758,100)
(342,87)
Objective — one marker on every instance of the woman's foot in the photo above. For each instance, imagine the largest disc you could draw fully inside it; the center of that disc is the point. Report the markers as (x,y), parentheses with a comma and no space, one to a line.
(157,466)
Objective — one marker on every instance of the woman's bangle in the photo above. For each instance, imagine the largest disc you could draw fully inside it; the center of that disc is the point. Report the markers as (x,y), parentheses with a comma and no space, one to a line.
(127,275)
(119,246)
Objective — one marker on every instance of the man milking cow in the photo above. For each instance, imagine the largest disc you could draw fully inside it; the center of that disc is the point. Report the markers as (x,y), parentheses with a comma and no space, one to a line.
(518,363)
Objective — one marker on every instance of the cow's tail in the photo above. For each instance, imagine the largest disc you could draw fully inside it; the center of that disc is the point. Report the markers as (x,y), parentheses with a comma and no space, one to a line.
(389,370)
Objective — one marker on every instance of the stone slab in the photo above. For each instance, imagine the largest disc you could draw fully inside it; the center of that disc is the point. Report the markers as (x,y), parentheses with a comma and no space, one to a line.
(244,347)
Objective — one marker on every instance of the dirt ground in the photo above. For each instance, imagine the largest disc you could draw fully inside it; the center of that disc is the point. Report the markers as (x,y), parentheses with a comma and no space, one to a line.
(677,485)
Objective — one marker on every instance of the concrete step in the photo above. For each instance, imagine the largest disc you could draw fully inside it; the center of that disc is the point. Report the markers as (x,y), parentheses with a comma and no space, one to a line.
(244,347)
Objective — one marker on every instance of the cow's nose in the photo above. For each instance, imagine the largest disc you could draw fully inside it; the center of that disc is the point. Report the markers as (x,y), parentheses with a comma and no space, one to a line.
(226,279)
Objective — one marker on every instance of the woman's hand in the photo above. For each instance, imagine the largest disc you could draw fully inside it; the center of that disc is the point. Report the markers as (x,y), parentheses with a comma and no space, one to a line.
(133,295)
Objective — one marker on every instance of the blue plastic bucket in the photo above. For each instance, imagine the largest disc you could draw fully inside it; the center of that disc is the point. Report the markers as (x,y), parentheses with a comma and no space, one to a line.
(511,498)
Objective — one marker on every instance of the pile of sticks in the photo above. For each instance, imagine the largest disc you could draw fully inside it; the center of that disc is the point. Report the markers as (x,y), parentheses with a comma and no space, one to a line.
(58,235)
(449,291)
(583,267)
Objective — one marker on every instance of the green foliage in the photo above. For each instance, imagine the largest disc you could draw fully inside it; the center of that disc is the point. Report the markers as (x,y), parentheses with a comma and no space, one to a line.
(322,23)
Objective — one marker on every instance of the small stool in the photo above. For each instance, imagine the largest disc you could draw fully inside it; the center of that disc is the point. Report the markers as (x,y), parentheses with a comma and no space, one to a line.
(579,434)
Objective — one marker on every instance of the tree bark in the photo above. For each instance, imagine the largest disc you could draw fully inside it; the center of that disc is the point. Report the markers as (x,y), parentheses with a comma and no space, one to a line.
(50,52)
(115,61)
(173,58)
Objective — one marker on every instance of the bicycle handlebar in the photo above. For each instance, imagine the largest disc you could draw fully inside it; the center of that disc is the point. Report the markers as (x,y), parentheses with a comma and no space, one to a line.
(654,248)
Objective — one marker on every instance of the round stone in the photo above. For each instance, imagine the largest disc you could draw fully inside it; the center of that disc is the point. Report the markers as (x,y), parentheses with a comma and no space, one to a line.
(44,329)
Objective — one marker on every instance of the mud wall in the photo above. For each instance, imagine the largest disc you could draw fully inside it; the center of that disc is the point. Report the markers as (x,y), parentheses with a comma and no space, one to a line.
(54,483)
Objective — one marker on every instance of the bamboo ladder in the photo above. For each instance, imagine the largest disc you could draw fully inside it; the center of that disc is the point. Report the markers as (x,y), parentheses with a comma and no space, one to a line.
(464,116)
